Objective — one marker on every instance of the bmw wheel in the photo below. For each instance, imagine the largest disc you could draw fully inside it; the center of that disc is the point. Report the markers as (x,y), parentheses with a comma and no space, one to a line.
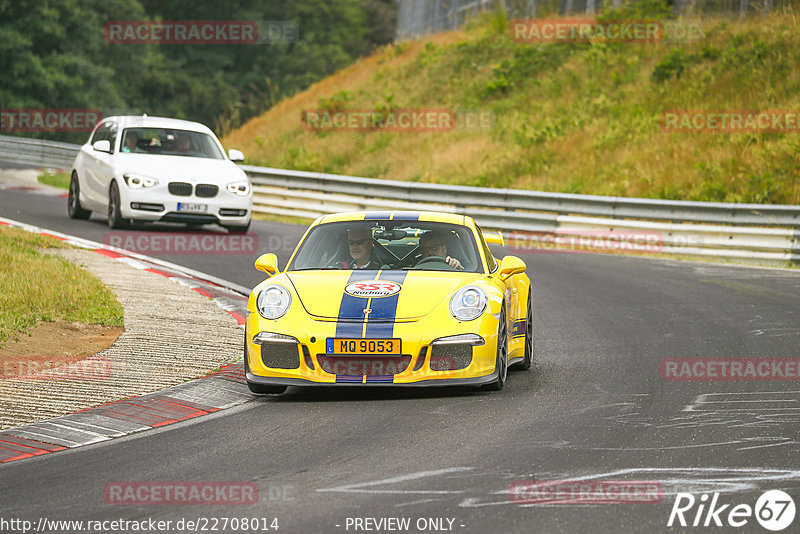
(74,208)
(115,220)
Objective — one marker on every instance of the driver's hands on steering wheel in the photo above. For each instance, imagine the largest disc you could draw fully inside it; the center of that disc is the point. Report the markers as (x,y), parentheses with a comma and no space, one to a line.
(454,263)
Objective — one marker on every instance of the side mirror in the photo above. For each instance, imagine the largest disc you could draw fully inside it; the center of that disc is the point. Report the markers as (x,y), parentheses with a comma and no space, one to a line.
(509,266)
(235,155)
(268,263)
(102,146)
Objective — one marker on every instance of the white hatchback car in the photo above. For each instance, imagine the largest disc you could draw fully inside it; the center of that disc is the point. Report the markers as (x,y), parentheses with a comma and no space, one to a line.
(140,168)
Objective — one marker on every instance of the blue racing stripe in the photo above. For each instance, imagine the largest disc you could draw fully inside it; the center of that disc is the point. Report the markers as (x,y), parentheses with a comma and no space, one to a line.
(351,309)
(384,309)
(350,379)
(518,328)
(372,215)
(380,379)
(406,216)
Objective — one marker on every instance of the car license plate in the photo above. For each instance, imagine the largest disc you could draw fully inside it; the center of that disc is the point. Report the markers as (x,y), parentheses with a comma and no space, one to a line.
(196,208)
(387,347)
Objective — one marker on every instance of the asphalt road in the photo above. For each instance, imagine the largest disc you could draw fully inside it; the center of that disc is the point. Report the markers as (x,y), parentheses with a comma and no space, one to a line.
(594,406)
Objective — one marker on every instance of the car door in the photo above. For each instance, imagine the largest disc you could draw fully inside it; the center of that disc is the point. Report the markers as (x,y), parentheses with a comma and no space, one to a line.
(99,168)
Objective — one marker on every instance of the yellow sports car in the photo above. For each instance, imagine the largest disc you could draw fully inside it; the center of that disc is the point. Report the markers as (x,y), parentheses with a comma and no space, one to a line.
(389,298)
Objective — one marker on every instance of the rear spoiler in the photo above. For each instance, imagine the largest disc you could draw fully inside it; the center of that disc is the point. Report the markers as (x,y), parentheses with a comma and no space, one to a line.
(494,237)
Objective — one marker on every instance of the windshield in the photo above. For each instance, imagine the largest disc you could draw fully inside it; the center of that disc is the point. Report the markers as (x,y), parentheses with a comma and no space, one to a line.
(169,142)
(388,245)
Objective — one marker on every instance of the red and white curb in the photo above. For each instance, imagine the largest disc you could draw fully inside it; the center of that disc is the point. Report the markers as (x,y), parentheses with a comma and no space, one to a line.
(218,391)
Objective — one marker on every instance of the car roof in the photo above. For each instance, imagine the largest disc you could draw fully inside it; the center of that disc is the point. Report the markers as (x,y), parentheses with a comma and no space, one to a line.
(422,216)
(144,121)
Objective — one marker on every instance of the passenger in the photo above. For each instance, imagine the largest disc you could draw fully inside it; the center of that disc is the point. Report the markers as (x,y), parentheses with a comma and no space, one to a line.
(433,244)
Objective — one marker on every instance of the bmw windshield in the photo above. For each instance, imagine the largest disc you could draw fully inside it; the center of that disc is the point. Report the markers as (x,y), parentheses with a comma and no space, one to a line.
(169,142)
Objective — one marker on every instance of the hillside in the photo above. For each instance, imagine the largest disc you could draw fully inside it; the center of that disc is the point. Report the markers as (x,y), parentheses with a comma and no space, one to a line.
(568,117)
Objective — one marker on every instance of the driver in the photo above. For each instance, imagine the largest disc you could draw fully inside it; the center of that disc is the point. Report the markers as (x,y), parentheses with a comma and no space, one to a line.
(131,142)
(433,244)
(359,243)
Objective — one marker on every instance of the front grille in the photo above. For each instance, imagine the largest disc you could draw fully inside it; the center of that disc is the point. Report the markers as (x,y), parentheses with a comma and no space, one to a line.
(280,355)
(206,190)
(364,365)
(181,189)
(450,357)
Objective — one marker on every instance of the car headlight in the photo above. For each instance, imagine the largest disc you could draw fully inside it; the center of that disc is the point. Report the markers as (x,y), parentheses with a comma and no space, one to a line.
(273,302)
(139,181)
(239,188)
(468,303)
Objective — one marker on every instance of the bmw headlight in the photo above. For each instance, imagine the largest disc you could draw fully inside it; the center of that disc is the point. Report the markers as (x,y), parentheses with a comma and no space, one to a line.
(273,302)
(468,303)
(139,181)
(239,188)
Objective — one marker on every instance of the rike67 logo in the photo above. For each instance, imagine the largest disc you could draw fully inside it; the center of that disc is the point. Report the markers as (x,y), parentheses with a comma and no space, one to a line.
(774,510)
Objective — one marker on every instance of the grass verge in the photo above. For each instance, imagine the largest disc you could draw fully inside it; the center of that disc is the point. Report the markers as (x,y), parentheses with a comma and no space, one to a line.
(39,288)
(59,179)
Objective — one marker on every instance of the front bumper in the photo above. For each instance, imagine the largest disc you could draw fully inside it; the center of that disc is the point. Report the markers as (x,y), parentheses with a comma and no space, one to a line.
(157,204)
(306,362)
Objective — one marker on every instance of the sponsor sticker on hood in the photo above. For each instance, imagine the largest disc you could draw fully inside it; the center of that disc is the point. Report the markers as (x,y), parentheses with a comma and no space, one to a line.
(373,288)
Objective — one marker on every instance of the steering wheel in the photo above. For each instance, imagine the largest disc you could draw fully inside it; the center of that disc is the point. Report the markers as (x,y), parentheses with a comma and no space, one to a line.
(431,259)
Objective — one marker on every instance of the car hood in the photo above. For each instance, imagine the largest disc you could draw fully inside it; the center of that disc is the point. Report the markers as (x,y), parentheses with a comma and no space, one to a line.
(180,168)
(323,293)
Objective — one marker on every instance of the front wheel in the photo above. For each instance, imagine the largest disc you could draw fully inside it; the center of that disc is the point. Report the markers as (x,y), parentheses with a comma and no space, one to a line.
(527,360)
(115,220)
(501,362)
(74,208)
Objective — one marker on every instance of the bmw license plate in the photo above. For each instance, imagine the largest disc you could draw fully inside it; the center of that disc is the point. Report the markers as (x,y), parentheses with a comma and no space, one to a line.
(194,208)
(384,347)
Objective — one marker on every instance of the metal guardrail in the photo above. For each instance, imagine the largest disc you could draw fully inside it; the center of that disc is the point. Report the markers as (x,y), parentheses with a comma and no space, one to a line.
(38,152)
(748,232)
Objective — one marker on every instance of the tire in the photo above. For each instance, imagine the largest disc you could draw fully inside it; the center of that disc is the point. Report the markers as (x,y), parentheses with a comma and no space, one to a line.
(74,208)
(115,220)
(501,361)
(238,229)
(260,389)
(527,360)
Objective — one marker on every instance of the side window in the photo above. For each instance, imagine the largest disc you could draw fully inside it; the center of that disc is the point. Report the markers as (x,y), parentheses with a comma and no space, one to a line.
(98,133)
(111,135)
(490,261)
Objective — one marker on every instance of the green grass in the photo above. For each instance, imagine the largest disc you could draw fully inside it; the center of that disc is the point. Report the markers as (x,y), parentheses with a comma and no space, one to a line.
(39,287)
(59,179)
(569,117)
